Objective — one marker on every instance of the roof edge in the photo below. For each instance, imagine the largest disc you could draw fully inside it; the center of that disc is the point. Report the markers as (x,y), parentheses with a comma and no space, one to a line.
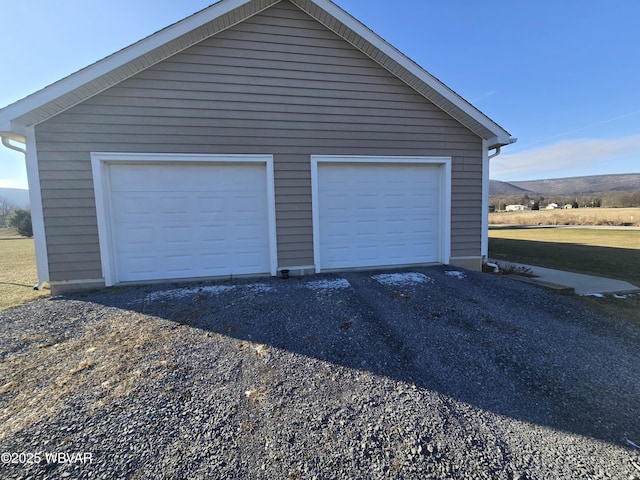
(404,61)
(10,113)
(15,117)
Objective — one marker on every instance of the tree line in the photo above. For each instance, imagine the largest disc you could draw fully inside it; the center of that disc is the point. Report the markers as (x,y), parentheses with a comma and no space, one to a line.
(600,200)
(14,217)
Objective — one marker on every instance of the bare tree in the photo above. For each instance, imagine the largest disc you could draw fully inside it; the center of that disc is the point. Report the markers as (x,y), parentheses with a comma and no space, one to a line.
(6,207)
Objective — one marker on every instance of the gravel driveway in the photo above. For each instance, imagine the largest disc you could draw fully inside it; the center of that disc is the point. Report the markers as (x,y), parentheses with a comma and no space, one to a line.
(421,373)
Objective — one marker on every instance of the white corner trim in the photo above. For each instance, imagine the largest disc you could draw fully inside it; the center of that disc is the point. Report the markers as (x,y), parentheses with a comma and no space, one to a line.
(102,189)
(484,242)
(445,164)
(446,217)
(100,162)
(271,212)
(315,211)
(37,212)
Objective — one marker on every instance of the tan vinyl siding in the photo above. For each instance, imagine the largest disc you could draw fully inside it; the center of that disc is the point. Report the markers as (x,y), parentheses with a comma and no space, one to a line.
(466,204)
(279,83)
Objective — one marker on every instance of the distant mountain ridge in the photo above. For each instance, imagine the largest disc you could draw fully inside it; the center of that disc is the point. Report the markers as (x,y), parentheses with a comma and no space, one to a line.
(17,196)
(588,185)
(502,189)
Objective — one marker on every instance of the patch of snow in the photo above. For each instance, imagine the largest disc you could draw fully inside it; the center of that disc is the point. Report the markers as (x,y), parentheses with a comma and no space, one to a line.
(187,291)
(337,284)
(215,289)
(597,295)
(452,273)
(208,290)
(410,278)
(619,296)
(258,287)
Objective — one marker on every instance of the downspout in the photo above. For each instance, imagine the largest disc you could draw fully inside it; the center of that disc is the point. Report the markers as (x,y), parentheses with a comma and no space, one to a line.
(497,152)
(7,143)
(489,264)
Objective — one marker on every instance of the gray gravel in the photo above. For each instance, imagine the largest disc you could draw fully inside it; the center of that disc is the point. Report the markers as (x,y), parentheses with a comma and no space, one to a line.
(333,376)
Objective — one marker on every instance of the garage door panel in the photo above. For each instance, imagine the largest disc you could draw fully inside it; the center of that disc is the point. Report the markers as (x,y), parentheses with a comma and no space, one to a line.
(208,204)
(179,263)
(189,220)
(175,205)
(211,234)
(138,267)
(373,214)
(126,204)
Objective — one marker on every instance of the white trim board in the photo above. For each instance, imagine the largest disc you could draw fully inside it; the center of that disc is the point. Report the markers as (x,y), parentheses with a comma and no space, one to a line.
(445,190)
(100,162)
(37,211)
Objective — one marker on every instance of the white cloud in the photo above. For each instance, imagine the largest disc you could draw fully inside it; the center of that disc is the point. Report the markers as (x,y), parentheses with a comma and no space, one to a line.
(570,158)
(482,96)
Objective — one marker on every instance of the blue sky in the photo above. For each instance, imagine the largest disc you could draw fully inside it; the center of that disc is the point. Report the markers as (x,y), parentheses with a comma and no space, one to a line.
(563,76)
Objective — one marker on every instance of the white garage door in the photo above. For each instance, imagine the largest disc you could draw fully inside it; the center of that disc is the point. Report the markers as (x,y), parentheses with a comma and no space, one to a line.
(376,214)
(171,221)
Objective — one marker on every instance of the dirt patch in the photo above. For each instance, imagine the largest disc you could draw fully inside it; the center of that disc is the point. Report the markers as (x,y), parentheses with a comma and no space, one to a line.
(38,383)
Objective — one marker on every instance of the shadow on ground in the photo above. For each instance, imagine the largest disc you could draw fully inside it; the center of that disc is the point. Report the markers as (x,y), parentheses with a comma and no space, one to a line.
(490,342)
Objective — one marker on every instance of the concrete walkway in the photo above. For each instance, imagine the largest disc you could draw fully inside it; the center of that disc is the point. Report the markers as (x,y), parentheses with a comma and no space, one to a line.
(567,282)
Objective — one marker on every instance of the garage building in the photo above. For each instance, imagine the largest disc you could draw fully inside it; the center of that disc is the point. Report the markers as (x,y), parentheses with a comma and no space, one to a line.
(251,137)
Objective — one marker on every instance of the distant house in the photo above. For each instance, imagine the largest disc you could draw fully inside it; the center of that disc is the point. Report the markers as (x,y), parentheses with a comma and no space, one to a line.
(517,208)
(552,206)
(252,137)
(568,205)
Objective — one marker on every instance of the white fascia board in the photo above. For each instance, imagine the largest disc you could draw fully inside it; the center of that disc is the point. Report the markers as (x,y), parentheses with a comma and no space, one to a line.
(499,141)
(112,62)
(5,128)
(389,50)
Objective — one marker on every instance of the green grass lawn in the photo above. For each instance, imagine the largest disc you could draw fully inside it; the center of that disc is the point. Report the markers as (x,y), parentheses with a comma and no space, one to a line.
(17,270)
(605,253)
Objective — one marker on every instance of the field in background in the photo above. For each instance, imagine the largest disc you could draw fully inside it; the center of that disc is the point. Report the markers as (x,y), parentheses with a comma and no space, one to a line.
(18,272)
(577,216)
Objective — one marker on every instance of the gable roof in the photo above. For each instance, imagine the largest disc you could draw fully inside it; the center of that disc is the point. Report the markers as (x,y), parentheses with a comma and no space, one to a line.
(77,87)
